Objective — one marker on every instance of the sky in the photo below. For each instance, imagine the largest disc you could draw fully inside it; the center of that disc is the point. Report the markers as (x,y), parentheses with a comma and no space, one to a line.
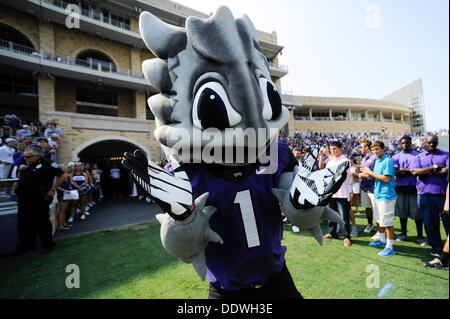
(356,48)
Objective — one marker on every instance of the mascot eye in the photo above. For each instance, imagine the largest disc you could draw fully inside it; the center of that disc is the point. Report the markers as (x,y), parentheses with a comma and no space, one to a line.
(272,100)
(212,108)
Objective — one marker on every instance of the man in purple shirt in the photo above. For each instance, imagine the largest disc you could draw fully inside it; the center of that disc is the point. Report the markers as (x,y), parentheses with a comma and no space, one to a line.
(431,167)
(405,187)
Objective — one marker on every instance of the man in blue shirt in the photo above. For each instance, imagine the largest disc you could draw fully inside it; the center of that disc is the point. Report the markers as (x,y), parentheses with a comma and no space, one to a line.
(385,198)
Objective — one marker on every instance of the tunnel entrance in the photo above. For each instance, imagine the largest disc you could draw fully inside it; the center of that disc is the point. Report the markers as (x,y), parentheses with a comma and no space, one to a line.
(108,155)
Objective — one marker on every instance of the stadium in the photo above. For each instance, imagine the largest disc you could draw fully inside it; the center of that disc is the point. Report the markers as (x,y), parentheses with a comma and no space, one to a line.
(83,71)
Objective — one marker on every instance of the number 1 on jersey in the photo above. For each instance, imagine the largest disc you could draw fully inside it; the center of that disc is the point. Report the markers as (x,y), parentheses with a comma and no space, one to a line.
(244,200)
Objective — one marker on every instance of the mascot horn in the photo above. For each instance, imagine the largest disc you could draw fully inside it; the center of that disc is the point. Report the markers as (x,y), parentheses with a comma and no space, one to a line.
(218,116)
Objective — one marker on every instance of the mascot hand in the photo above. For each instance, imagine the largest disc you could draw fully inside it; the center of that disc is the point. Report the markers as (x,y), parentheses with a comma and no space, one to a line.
(172,193)
(309,218)
(187,239)
(310,188)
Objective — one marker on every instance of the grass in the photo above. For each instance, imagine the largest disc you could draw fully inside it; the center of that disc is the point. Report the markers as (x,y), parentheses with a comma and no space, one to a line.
(132,263)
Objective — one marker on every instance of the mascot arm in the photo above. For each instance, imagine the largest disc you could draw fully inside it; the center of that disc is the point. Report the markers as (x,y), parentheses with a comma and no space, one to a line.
(185,230)
(304,194)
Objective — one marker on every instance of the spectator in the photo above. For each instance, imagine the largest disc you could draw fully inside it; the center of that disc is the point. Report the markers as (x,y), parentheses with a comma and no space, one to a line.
(6,163)
(367,184)
(51,128)
(342,196)
(54,143)
(20,149)
(96,176)
(354,193)
(431,168)
(115,180)
(405,187)
(28,140)
(35,193)
(25,131)
(298,155)
(441,262)
(42,142)
(385,198)
(14,122)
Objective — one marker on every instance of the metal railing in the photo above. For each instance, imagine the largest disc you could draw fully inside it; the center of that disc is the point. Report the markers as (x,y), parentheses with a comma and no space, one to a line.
(302,118)
(91,64)
(16,47)
(94,15)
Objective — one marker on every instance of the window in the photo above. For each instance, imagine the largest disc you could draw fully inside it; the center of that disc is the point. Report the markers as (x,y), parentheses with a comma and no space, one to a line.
(96,60)
(99,102)
(105,16)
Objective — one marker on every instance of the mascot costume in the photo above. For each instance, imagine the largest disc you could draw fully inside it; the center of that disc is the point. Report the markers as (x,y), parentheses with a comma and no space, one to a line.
(222,203)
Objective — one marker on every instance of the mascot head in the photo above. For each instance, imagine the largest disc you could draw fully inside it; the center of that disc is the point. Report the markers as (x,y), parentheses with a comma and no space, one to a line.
(217,102)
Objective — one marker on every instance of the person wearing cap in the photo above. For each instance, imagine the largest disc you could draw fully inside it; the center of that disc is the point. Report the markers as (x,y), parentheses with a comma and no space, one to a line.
(6,160)
(24,131)
(35,191)
(42,142)
(51,129)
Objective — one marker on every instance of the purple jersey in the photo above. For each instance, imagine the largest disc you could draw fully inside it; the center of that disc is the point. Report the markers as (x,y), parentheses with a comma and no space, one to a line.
(403,160)
(248,218)
(431,184)
(368,184)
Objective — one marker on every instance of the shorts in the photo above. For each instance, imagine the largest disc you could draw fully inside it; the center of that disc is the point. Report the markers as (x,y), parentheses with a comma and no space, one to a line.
(354,188)
(4,170)
(406,204)
(366,199)
(383,212)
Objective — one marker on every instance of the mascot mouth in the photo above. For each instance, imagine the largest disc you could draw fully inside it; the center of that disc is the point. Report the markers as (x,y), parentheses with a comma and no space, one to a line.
(214,146)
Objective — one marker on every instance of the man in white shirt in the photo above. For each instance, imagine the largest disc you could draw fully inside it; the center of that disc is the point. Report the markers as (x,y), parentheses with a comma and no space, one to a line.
(115,180)
(341,199)
(25,131)
(6,160)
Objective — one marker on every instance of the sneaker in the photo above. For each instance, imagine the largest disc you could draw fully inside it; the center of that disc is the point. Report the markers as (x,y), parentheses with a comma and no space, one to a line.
(86,213)
(368,229)
(141,197)
(295,229)
(70,220)
(87,208)
(347,242)
(377,244)
(436,263)
(422,242)
(83,217)
(402,238)
(354,232)
(78,211)
(148,200)
(376,237)
(386,252)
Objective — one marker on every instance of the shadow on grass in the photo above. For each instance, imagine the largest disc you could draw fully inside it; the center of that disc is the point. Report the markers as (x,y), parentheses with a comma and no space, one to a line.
(106,261)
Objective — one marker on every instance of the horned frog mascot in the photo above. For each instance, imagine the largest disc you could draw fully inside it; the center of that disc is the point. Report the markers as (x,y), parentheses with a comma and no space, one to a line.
(223,215)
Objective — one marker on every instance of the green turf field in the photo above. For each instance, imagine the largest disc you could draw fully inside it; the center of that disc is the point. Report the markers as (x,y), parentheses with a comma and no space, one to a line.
(132,263)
